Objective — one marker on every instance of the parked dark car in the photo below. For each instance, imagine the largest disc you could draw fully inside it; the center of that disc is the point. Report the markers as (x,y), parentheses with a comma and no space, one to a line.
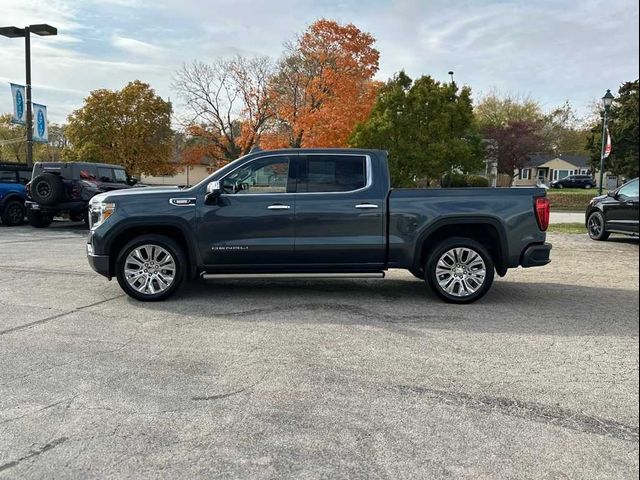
(316,212)
(575,181)
(13,193)
(66,188)
(616,212)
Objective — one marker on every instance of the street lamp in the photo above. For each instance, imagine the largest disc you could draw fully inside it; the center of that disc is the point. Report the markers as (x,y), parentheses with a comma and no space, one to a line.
(451,74)
(43,30)
(607,101)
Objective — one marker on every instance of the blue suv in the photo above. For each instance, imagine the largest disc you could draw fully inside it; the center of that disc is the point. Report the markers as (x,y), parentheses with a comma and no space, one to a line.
(13,193)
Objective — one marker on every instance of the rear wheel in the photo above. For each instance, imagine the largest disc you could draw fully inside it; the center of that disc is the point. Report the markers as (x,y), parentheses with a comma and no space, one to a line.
(151,267)
(38,219)
(595,227)
(13,213)
(459,270)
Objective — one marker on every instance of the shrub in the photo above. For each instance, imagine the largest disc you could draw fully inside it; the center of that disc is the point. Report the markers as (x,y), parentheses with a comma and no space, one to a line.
(477,181)
(458,180)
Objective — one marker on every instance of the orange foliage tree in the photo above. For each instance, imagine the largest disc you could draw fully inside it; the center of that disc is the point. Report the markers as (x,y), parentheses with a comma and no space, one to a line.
(323,87)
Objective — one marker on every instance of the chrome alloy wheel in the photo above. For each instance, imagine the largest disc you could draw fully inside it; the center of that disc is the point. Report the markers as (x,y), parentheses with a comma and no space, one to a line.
(595,225)
(461,272)
(149,269)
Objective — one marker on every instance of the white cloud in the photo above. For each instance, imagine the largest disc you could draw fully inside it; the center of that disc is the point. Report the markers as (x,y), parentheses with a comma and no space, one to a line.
(136,47)
(550,50)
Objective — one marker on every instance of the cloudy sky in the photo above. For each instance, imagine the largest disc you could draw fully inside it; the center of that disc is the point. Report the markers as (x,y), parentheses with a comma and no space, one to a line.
(550,50)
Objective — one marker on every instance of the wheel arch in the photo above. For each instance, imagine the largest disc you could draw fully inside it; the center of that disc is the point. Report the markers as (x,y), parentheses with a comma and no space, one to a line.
(10,197)
(488,231)
(173,230)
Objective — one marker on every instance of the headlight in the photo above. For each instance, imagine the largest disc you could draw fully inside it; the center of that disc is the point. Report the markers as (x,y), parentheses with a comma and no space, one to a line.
(99,212)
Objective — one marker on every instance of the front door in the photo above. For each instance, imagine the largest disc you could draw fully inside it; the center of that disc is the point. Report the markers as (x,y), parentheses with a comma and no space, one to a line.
(251,223)
(339,213)
(622,215)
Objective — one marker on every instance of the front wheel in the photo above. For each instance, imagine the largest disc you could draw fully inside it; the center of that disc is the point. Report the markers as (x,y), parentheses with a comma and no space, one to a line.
(595,227)
(13,213)
(459,270)
(151,267)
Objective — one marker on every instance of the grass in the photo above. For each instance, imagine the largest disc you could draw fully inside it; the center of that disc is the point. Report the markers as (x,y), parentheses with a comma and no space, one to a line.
(575,191)
(572,228)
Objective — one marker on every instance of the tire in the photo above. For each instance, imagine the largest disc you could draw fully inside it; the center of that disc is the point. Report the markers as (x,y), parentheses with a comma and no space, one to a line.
(148,252)
(13,213)
(465,289)
(559,185)
(596,227)
(588,186)
(76,216)
(47,189)
(38,219)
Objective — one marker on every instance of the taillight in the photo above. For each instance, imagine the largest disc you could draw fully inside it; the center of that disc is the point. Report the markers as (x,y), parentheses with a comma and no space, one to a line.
(543,209)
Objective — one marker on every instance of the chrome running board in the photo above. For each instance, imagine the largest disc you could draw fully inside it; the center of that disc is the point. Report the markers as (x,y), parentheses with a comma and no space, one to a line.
(223,276)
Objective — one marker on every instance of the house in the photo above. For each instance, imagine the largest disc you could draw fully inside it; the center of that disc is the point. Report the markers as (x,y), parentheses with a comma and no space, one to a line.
(185,175)
(544,169)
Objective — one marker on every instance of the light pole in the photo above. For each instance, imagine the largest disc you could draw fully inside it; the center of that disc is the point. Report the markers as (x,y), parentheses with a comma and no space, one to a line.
(451,75)
(607,100)
(41,29)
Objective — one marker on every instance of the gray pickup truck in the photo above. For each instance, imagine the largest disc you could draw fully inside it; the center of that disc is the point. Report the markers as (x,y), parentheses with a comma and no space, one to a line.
(315,212)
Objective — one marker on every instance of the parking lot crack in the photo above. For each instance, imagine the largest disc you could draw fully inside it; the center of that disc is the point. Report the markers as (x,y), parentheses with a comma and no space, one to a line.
(56,316)
(530,411)
(34,453)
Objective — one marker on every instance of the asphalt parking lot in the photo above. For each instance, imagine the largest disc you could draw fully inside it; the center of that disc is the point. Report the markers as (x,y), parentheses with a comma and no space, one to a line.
(318,379)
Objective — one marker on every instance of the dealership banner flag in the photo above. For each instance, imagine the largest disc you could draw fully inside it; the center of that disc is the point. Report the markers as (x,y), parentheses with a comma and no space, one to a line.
(40,130)
(19,104)
(607,147)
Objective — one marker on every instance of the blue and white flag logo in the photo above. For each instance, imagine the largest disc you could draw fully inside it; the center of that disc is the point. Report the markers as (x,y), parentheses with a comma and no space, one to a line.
(40,130)
(19,104)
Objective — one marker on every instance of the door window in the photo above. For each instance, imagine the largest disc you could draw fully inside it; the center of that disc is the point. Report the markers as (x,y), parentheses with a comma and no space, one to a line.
(262,176)
(333,173)
(120,175)
(105,174)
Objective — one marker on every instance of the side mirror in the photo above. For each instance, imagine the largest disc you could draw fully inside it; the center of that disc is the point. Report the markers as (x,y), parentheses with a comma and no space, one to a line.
(132,181)
(611,193)
(213,190)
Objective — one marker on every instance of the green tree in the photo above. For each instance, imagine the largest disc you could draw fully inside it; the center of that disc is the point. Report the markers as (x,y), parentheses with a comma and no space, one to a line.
(426,126)
(13,143)
(495,111)
(129,127)
(563,132)
(623,126)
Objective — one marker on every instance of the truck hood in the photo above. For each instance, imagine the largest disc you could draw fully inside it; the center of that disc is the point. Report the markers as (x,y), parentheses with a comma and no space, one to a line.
(135,192)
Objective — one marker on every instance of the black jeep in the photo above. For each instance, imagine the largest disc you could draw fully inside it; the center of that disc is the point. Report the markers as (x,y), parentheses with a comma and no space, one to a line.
(66,188)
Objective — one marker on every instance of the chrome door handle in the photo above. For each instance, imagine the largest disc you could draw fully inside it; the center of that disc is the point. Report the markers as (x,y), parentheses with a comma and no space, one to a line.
(366,205)
(278,207)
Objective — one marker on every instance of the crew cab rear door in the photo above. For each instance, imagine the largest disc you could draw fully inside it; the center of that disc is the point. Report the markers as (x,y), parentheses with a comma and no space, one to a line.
(339,218)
